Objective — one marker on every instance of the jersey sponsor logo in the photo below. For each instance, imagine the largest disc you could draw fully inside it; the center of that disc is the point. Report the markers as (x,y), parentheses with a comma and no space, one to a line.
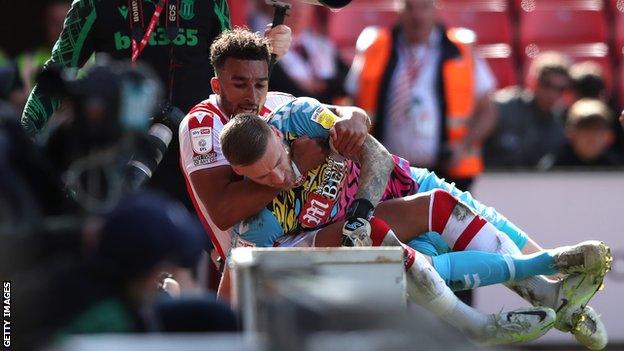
(332,178)
(173,13)
(320,201)
(201,142)
(320,198)
(244,243)
(135,11)
(206,159)
(324,117)
(187,10)
(201,139)
(316,211)
(159,37)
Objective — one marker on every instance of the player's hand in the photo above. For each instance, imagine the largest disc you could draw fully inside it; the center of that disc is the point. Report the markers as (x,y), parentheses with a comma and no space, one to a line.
(308,153)
(622,119)
(356,232)
(280,38)
(357,229)
(350,131)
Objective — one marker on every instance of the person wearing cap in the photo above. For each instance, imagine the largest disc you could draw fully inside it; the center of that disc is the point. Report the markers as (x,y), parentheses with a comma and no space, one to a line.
(143,236)
(589,137)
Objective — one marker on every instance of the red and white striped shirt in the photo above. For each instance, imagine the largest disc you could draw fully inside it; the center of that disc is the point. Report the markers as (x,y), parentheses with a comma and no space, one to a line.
(200,149)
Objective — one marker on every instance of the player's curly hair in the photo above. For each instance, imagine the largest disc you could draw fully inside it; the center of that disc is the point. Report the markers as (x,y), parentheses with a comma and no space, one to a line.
(239,43)
(244,139)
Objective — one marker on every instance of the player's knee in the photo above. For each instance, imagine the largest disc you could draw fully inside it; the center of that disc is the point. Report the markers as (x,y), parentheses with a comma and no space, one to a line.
(442,195)
(440,198)
(442,204)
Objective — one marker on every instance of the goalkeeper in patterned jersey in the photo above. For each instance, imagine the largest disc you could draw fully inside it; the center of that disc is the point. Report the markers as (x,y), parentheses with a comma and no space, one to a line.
(241,63)
(413,201)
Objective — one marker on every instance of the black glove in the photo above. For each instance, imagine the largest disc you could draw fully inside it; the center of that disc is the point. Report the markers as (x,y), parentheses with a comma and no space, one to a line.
(357,230)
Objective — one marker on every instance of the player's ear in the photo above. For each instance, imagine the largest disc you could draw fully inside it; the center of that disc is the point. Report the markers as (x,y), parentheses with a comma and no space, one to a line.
(237,170)
(277,132)
(215,85)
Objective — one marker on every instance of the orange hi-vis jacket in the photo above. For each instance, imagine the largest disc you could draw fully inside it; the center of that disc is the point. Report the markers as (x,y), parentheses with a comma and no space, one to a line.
(458,94)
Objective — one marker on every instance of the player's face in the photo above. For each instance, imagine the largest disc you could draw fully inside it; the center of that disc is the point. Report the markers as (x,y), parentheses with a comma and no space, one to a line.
(273,168)
(241,85)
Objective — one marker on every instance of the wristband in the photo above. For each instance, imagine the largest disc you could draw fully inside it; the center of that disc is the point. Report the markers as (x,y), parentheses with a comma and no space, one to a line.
(361,208)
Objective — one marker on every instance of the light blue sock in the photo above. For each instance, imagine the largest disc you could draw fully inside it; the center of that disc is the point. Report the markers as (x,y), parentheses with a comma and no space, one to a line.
(534,264)
(464,270)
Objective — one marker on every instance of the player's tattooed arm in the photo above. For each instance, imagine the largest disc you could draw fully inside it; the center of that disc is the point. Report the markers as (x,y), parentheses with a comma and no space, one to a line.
(377,165)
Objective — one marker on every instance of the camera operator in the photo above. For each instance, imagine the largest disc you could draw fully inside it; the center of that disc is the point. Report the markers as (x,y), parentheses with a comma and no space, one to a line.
(61,262)
(116,134)
(173,37)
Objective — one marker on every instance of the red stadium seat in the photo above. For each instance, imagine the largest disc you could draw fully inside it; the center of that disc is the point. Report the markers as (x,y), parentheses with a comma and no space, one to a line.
(616,5)
(619,30)
(238,12)
(346,25)
(620,90)
(501,61)
(562,22)
(489,19)
(597,52)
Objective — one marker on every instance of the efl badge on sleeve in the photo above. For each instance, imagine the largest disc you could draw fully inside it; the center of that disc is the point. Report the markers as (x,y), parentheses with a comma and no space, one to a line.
(324,117)
(244,243)
(201,139)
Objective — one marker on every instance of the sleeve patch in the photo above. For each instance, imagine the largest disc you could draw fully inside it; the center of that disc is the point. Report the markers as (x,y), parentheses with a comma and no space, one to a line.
(201,139)
(244,243)
(324,117)
(201,142)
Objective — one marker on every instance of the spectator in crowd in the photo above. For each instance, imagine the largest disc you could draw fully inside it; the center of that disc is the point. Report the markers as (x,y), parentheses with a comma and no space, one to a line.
(31,62)
(11,88)
(427,91)
(176,47)
(588,82)
(313,66)
(259,15)
(531,120)
(589,136)
(143,236)
(109,279)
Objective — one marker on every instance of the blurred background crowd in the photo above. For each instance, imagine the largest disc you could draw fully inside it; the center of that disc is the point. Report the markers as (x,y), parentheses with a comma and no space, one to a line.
(540,57)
